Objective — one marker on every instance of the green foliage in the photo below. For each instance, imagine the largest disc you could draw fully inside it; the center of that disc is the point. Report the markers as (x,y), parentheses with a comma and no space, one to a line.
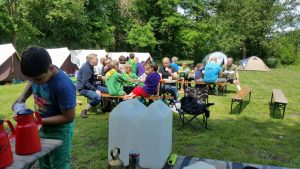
(285,48)
(245,24)
(272,62)
(142,37)
(187,29)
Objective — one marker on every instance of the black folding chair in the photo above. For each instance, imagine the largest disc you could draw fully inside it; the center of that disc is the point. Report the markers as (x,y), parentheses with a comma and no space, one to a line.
(193,104)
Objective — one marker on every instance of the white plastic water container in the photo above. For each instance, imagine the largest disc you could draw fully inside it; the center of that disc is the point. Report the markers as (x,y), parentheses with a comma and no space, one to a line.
(124,126)
(155,136)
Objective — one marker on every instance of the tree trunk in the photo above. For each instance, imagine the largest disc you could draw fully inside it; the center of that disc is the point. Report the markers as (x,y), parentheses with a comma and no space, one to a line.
(13,12)
(244,51)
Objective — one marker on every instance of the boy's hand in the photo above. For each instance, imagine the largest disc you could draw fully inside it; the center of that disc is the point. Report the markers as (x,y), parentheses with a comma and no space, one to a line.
(18,100)
(98,92)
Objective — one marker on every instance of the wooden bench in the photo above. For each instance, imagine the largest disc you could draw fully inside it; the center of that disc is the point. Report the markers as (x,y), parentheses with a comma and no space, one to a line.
(239,97)
(279,100)
(153,97)
(118,99)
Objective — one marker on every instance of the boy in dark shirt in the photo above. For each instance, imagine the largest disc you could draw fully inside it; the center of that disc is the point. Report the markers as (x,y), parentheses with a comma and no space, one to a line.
(55,99)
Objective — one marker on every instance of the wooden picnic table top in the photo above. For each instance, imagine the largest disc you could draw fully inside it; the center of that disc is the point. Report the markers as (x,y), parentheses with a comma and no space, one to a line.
(166,81)
(202,82)
(24,161)
(152,97)
(279,97)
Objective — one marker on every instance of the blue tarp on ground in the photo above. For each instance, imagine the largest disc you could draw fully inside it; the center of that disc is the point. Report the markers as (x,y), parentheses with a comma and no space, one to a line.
(183,161)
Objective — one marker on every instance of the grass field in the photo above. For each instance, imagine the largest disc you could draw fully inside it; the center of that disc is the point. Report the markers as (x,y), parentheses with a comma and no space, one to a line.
(252,136)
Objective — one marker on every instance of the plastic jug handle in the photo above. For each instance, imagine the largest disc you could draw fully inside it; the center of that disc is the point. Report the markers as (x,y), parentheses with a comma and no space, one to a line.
(12,129)
(112,153)
(39,121)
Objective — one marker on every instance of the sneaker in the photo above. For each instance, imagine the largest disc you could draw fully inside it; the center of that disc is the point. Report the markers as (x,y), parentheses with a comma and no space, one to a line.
(210,104)
(98,110)
(83,113)
(173,108)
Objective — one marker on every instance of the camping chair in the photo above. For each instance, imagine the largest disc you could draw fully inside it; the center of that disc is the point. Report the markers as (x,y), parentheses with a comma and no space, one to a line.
(194,103)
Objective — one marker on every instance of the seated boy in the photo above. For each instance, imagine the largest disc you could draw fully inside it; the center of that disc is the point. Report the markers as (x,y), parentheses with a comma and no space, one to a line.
(55,99)
(150,85)
(183,74)
(130,85)
(114,80)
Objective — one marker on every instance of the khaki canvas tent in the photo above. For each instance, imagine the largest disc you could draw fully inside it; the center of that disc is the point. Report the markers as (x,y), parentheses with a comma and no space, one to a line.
(221,58)
(61,57)
(78,57)
(9,64)
(143,57)
(253,63)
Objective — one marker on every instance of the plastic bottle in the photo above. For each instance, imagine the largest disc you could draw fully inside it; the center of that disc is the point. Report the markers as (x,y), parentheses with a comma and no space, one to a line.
(155,136)
(124,126)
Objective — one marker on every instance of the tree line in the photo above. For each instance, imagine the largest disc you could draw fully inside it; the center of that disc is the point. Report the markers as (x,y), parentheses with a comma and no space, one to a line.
(189,29)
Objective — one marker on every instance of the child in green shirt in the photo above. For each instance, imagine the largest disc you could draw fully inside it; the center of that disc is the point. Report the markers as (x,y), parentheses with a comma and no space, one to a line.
(131,77)
(114,80)
(133,63)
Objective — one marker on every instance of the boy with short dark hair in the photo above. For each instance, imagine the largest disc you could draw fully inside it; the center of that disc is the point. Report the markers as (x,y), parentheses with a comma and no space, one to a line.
(55,100)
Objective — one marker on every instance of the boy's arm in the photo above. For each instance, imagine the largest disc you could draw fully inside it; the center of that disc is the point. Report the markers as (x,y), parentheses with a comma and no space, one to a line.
(85,79)
(122,79)
(236,73)
(219,71)
(173,73)
(66,116)
(134,76)
(24,96)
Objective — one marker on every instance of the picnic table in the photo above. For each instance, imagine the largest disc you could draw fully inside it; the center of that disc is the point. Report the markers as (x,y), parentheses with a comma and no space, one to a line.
(220,85)
(25,161)
(184,161)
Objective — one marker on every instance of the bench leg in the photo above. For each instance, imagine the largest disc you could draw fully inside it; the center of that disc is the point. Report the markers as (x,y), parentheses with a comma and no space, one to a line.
(271,98)
(249,96)
(284,105)
(274,109)
(231,106)
(241,102)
